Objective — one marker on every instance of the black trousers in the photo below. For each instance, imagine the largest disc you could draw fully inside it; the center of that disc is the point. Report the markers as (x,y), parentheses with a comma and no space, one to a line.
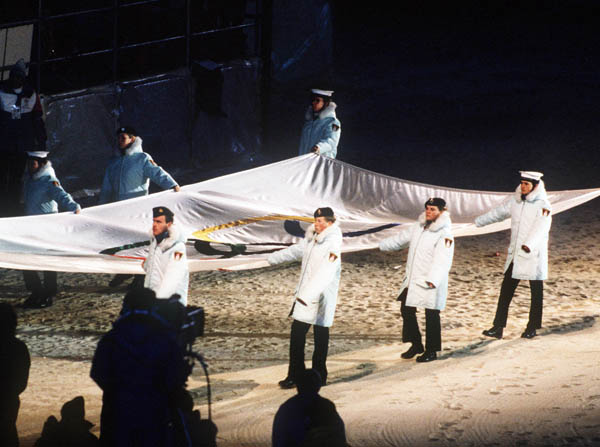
(297,344)
(507,291)
(34,284)
(410,326)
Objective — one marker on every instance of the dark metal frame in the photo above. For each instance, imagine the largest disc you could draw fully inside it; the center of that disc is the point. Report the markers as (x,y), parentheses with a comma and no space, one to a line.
(260,44)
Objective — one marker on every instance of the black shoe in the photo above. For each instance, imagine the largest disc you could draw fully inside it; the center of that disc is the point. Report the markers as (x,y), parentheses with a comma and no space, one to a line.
(494,332)
(32,301)
(412,351)
(46,301)
(287,383)
(529,333)
(428,356)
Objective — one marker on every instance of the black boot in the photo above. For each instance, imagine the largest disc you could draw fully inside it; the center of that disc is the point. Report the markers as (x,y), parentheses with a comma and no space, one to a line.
(494,332)
(45,301)
(529,333)
(412,351)
(32,301)
(427,356)
(287,383)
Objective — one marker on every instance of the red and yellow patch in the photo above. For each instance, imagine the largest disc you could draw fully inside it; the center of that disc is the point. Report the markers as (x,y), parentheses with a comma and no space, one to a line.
(332,257)
(335,127)
(55,183)
(448,242)
(177,255)
(545,212)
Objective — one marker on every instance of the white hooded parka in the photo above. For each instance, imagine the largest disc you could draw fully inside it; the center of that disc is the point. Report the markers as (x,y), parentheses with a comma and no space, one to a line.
(530,224)
(429,259)
(166,266)
(128,175)
(315,297)
(43,194)
(323,131)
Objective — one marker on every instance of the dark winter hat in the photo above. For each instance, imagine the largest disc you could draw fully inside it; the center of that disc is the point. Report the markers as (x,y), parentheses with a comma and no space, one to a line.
(8,321)
(137,298)
(129,130)
(162,211)
(309,381)
(73,410)
(19,70)
(436,201)
(323,212)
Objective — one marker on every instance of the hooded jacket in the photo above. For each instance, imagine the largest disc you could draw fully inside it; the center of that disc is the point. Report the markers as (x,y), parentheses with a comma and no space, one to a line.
(315,297)
(128,175)
(166,266)
(429,259)
(322,130)
(43,194)
(530,225)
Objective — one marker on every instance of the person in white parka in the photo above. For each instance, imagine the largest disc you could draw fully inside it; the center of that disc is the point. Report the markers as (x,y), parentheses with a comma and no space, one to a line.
(166,266)
(531,217)
(315,297)
(425,285)
(322,129)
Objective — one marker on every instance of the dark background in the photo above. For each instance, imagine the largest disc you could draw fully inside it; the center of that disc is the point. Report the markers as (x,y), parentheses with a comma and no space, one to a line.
(461,95)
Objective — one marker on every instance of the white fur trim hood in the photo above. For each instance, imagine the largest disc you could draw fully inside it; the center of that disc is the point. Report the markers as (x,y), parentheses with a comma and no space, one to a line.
(47,169)
(442,221)
(539,192)
(312,234)
(175,235)
(326,112)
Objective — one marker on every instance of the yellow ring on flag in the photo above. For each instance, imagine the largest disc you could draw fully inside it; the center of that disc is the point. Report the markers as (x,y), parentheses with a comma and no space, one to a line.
(204,234)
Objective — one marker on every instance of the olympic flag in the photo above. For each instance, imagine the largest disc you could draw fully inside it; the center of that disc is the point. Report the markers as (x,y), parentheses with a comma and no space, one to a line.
(234,221)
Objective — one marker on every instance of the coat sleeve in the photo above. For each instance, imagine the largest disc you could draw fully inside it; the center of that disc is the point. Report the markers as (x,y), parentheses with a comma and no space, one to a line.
(326,269)
(443,253)
(289,254)
(63,198)
(157,174)
(540,227)
(329,141)
(396,242)
(175,273)
(498,214)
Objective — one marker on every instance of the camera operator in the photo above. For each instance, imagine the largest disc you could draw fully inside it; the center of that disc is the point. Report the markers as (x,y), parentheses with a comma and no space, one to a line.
(140,366)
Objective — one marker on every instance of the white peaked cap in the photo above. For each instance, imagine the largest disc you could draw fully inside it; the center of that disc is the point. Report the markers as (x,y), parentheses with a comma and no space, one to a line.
(533,175)
(318,91)
(38,154)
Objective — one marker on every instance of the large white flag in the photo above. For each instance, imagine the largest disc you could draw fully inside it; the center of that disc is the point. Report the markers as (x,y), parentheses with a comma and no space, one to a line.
(234,221)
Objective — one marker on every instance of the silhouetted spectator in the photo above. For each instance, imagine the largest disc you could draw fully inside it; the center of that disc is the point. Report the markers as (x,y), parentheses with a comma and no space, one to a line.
(72,431)
(14,372)
(21,130)
(308,419)
(140,367)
